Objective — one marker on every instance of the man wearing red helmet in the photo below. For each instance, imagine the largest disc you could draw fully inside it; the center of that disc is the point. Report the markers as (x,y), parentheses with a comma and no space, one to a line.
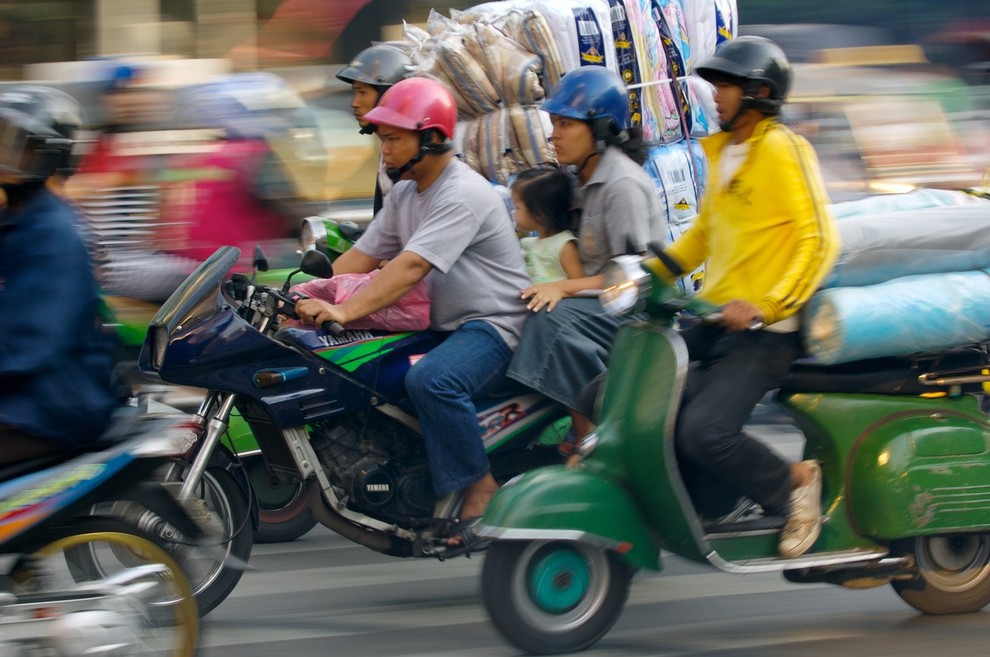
(444,222)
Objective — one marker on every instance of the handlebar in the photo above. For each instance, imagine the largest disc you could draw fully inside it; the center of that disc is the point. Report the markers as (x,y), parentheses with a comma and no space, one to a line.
(289,310)
(333,328)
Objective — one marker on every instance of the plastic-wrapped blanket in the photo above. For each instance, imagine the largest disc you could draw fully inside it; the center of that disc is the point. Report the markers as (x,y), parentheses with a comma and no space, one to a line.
(881,247)
(908,315)
(661,122)
(526,27)
(625,57)
(506,141)
(513,71)
(678,170)
(918,199)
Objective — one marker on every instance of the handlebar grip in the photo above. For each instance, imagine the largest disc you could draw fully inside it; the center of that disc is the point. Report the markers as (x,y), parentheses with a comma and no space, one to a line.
(333,328)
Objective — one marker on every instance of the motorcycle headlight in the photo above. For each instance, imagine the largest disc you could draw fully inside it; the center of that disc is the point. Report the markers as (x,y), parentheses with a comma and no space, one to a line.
(313,234)
(175,439)
(626,285)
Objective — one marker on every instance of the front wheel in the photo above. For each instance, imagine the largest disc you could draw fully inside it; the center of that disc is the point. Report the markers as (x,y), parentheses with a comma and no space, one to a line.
(216,563)
(133,598)
(954,574)
(553,597)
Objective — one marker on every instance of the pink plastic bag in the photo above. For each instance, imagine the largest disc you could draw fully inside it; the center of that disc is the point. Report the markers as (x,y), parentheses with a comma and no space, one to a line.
(410,313)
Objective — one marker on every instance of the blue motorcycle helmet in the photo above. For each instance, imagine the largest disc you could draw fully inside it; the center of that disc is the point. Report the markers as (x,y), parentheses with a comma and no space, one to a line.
(597,96)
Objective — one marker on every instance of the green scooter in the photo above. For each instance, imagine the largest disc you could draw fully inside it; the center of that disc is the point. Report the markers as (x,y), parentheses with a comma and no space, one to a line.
(906,488)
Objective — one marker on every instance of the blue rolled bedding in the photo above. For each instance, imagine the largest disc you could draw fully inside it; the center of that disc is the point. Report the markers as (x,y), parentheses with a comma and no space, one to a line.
(907,315)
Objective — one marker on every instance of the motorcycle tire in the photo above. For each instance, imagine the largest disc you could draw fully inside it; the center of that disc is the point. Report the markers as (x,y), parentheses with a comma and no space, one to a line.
(215,564)
(953,574)
(551,597)
(213,576)
(163,620)
(283,509)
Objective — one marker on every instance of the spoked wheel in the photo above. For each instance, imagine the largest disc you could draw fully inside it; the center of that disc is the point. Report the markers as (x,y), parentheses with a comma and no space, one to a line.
(140,604)
(283,512)
(553,597)
(216,563)
(954,574)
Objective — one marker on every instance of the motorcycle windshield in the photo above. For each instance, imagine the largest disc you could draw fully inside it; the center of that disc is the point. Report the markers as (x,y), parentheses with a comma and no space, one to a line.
(199,296)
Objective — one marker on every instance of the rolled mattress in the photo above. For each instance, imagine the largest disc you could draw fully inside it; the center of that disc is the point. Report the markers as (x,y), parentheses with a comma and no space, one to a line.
(882,247)
(908,315)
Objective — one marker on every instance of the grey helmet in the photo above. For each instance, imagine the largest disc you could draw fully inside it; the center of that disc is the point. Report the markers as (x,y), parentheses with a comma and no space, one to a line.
(37,127)
(380,66)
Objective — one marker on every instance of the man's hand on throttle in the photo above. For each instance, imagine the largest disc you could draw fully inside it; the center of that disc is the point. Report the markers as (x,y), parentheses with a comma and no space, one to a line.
(740,315)
(316,312)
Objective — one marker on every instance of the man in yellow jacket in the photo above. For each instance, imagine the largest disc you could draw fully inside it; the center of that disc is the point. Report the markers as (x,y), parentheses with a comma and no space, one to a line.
(767,241)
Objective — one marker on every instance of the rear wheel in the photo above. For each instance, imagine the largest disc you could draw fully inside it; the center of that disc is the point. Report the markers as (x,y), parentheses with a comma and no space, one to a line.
(553,597)
(144,605)
(954,574)
(283,510)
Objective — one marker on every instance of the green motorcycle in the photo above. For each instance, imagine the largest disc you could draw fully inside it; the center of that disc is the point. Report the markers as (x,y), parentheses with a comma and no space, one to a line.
(905,494)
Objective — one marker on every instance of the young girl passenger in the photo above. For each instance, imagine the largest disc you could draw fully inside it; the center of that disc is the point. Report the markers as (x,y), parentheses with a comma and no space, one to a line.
(544,201)
(544,205)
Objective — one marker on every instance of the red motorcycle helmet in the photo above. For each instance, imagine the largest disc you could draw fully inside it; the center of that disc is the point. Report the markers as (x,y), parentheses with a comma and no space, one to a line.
(417,104)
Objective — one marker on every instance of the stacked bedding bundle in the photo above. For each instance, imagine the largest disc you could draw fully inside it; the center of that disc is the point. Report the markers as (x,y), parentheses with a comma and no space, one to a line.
(502,58)
(906,281)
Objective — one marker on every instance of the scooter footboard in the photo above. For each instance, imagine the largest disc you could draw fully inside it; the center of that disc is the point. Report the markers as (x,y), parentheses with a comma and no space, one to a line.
(557,503)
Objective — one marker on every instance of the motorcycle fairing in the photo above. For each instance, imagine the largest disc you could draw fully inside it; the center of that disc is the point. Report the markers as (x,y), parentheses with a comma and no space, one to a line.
(27,500)
(379,359)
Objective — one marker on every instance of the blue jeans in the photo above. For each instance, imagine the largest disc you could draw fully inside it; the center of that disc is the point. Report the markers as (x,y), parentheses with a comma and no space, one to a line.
(441,386)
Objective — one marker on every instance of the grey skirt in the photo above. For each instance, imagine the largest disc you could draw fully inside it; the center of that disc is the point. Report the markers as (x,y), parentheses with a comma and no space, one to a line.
(562,351)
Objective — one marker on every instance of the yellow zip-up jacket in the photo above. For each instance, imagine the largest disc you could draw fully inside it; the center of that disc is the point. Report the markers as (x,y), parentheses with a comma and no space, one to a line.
(767,237)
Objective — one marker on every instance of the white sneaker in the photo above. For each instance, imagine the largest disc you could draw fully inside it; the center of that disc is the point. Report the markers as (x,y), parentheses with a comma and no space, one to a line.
(804,524)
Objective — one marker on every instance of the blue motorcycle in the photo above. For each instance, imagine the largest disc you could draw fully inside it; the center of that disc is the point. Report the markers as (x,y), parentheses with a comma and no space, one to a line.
(76,584)
(328,408)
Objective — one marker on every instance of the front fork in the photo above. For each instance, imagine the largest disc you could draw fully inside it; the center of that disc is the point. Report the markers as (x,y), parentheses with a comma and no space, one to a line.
(218,407)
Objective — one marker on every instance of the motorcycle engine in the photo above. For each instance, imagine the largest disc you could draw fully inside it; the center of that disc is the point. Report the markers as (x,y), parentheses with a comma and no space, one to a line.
(378,466)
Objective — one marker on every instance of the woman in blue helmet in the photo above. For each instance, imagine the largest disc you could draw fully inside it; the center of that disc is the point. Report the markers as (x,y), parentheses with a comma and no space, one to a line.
(567,339)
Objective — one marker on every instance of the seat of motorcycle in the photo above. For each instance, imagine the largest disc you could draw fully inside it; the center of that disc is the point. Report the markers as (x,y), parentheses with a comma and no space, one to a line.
(883,376)
(124,422)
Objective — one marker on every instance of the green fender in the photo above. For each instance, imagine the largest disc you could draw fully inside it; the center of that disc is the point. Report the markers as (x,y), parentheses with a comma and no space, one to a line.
(557,503)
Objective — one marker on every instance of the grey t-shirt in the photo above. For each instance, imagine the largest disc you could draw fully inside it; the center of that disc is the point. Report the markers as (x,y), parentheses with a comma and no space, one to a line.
(618,200)
(461,226)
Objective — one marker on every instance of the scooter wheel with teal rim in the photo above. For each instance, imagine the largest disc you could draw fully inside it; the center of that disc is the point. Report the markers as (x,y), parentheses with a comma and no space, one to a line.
(550,597)
(953,574)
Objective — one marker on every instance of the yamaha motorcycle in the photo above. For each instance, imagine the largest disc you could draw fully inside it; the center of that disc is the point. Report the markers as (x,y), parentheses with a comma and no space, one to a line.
(328,409)
(75,584)
(281,509)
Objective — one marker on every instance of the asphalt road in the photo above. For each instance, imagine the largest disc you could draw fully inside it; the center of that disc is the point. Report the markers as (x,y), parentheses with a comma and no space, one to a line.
(322,596)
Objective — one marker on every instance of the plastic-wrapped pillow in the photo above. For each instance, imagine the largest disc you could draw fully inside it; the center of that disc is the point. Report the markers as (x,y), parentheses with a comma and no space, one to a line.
(514,71)
(530,145)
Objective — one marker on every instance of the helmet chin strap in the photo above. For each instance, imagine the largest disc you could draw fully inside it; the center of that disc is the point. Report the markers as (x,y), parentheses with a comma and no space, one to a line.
(747,103)
(425,148)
